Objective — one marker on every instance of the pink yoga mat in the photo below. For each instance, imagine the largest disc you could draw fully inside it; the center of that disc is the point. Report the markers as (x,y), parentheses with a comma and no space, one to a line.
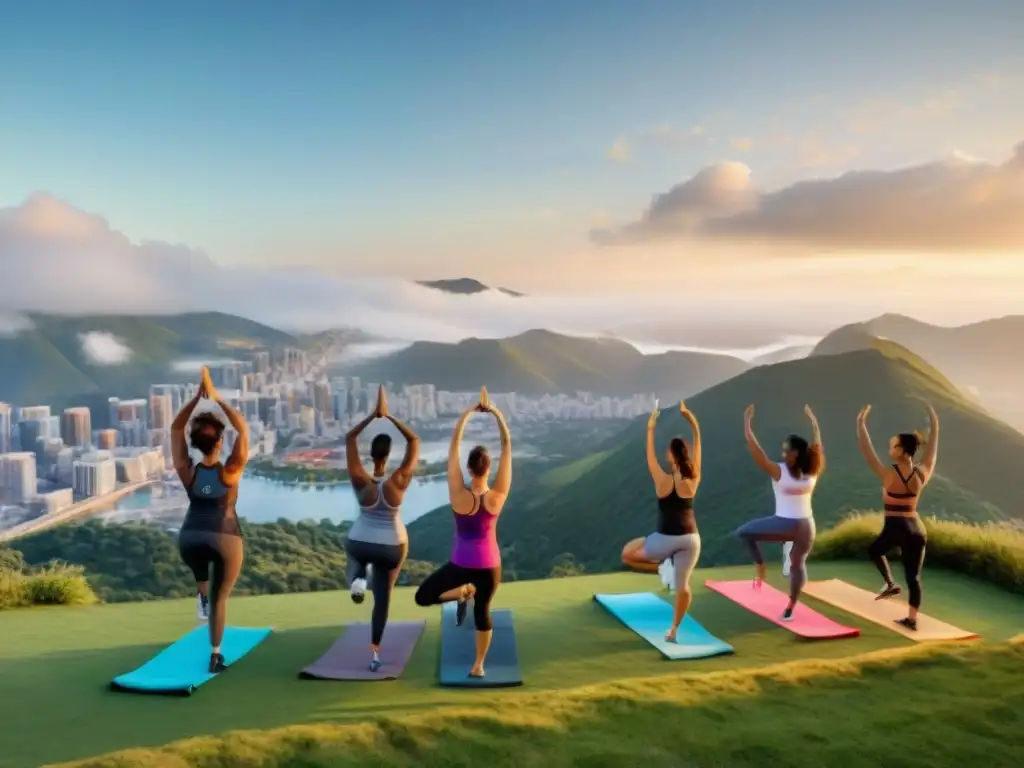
(768,603)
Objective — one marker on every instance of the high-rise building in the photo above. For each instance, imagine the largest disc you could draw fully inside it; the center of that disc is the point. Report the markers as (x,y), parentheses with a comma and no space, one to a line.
(95,474)
(33,412)
(18,476)
(176,393)
(76,427)
(307,420)
(322,397)
(106,439)
(132,410)
(261,362)
(161,410)
(5,428)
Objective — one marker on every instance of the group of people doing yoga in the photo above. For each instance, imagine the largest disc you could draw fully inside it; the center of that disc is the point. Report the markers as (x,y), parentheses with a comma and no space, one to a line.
(210,539)
(378,542)
(793,482)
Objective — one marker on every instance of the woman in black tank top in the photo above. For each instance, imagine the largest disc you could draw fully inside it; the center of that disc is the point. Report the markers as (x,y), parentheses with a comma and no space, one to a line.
(676,537)
(902,483)
(210,536)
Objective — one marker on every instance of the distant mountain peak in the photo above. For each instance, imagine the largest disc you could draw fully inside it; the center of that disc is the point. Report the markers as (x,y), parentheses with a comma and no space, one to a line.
(463,286)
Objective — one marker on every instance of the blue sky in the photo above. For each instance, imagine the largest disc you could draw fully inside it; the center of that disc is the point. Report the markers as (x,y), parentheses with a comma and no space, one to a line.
(414,135)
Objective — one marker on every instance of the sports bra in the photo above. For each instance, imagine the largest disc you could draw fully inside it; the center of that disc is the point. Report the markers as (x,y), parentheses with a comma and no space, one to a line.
(908,495)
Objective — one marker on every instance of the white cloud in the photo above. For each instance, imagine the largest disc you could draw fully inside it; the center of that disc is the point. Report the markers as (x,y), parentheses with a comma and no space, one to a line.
(620,151)
(55,258)
(951,205)
(102,348)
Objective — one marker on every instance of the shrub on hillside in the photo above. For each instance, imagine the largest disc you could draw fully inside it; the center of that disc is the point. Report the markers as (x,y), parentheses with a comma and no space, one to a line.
(993,552)
(53,584)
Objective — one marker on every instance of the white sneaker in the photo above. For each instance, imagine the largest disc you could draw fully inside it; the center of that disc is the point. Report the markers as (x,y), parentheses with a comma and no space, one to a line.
(787,550)
(358,590)
(202,608)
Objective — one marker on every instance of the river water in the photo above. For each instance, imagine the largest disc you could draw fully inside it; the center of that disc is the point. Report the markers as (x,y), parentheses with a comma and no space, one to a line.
(264,501)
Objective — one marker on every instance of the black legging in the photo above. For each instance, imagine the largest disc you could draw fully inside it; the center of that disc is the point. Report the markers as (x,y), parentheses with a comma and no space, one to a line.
(450,576)
(387,560)
(908,534)
(224,552)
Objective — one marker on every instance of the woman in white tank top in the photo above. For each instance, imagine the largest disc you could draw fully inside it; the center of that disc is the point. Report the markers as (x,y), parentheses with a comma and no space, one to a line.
(793,481)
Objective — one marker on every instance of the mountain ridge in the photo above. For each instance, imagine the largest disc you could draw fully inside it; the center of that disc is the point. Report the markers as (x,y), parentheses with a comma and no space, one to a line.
(465,286)
(539,361)
(612,500)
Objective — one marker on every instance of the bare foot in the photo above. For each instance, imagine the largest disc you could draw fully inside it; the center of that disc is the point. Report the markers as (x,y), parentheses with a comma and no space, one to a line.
(476,672)
(670,636)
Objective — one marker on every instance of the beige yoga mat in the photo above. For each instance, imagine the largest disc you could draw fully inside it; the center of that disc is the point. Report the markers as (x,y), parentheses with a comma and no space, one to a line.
(862,603)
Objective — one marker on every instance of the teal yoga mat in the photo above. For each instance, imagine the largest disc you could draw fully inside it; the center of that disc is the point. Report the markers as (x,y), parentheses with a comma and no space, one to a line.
(650,616)
(458,651)
(182,667)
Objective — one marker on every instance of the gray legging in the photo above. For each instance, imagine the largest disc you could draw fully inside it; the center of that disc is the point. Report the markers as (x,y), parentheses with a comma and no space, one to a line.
(799,530)
(387,560)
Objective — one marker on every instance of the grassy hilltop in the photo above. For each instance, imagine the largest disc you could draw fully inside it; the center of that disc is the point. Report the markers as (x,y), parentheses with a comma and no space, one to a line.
(595,694)
(611,499)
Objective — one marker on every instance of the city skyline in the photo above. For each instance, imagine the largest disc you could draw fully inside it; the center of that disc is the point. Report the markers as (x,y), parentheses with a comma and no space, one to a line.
(582,153)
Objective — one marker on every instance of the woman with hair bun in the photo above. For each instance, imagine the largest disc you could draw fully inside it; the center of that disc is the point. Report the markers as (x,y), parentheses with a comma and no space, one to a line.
(902,483)
(474,571)
(676,537)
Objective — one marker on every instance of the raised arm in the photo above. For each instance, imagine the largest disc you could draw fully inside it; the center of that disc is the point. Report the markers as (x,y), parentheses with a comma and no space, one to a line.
(864,443)
(760,457)
(658,473)
(931,446)
(357,473)
(696,454)
(503,478)
(402,476)
(816,445)
(456,482)
(179,446)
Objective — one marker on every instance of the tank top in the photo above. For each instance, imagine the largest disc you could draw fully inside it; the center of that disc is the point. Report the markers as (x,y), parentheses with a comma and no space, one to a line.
(675,514)
(476,538)
(211,504)
(379,523)
(793,495)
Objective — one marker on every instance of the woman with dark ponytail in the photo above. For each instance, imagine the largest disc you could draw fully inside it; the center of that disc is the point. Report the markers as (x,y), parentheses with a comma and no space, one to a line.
(676,537)
(793,481)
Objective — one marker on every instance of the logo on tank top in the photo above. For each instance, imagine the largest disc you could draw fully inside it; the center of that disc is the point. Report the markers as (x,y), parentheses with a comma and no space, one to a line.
(207,489)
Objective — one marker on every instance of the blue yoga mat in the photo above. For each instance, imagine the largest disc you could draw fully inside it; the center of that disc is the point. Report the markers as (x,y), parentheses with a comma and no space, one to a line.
(650,616)
(182,667)
(458,652)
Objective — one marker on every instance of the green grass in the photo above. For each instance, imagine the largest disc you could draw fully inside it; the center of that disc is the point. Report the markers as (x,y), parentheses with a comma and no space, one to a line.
(56,663)
(885,708)
(993,552)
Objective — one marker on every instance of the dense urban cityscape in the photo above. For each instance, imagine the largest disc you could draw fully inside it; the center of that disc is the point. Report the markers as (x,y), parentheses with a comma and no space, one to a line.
(54,464)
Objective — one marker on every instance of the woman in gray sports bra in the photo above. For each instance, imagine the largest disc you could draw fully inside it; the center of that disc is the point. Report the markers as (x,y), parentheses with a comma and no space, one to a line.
(377,542)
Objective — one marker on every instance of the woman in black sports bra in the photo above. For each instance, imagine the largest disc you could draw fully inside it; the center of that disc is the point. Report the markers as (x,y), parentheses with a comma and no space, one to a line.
(902,484)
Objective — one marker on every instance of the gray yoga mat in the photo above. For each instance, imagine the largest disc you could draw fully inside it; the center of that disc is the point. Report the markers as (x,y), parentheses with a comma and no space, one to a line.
(349,658)
(458,652)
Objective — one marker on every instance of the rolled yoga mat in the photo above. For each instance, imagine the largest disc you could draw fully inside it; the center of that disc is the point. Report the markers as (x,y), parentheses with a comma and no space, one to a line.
(184,666)
(862,603)
(650,616)
(350,656)
(769,603)
(458,651)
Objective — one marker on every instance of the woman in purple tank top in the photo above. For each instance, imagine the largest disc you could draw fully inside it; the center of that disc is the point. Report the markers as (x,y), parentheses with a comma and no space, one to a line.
(474,570)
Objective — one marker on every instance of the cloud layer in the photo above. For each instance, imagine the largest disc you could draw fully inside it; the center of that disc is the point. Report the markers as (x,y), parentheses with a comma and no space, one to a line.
(954,205)
(55,258)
